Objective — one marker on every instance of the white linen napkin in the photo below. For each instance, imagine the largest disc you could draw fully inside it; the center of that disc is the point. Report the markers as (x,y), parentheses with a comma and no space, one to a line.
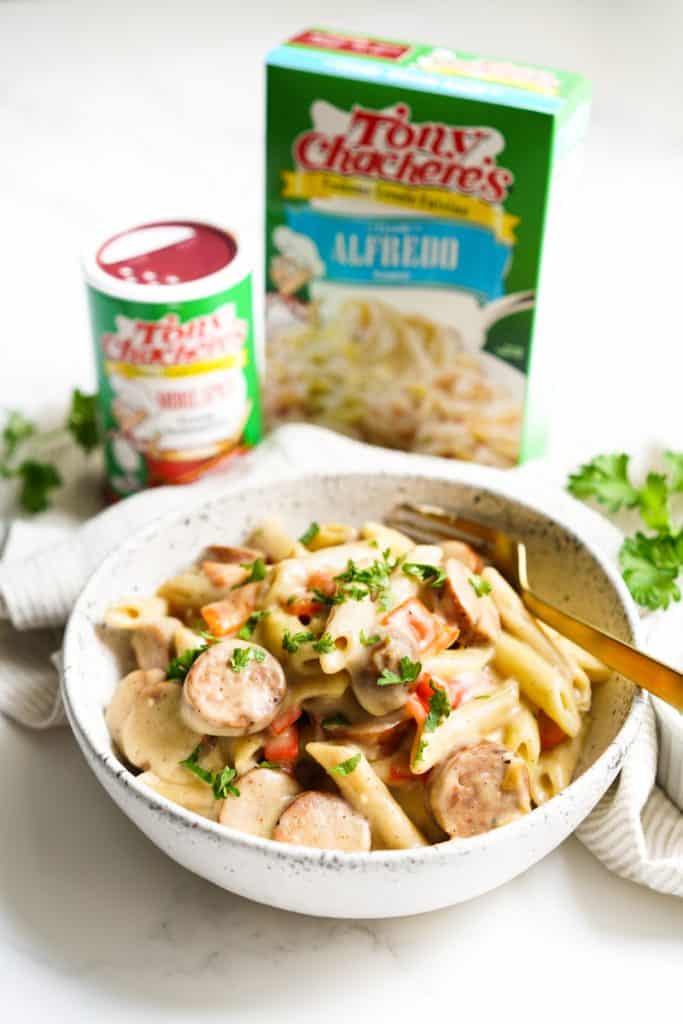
(635,830)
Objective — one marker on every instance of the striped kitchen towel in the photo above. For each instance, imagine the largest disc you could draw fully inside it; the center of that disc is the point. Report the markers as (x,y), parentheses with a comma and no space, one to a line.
(635,830)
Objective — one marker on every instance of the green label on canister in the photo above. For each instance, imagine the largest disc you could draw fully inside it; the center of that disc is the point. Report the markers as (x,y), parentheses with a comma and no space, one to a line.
(178,383)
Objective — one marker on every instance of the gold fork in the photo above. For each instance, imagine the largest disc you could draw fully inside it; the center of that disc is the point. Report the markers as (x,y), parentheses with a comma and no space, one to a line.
(431,524)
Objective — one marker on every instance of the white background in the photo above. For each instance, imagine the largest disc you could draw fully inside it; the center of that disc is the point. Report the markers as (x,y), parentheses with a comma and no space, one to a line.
(119,112)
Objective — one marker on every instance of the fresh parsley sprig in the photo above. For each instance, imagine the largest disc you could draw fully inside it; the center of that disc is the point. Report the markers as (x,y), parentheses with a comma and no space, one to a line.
(480,586)
(650,565)
(38,478)
(439,708)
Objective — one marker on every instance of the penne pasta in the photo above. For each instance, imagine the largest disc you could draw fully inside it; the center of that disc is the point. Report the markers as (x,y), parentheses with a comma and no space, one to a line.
(132,614)
(520,623)
(333,657)
(555,768)
(391,827)
(596,671)
(470,721)
(521,735)
(543,684)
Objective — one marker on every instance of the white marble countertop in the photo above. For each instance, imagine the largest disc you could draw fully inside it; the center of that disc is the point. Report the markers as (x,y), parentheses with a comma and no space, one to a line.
(116,112)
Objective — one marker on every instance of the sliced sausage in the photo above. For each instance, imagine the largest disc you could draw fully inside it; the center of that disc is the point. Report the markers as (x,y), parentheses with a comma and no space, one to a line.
(264,795)
(224,574)
(324,821)
(225,698)
(124,697)
(233,555)
(476,617)
(464,553)
(152,642)
(154,737)
(487,628)
(479,787)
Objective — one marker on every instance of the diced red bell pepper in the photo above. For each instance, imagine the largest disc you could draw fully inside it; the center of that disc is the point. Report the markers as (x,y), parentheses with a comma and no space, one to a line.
(284,719)
(284,747)
(549,731)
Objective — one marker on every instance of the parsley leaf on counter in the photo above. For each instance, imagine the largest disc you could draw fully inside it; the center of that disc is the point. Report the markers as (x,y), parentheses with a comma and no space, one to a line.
(17,429)
(309,534)
(605,478)
(674,461)
(348,766)
(430,574)
(37,480)
(82,421)
(650,567)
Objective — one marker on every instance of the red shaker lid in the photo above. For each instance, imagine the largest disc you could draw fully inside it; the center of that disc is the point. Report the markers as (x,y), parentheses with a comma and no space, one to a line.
(166,253)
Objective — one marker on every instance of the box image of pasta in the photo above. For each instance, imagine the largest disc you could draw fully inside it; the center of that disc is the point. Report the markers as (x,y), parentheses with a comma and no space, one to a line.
(407,190)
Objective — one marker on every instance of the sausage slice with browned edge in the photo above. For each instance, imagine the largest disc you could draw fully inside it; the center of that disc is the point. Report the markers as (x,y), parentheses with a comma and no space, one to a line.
(264,795)
(234,688)
(479,787)
(324,821)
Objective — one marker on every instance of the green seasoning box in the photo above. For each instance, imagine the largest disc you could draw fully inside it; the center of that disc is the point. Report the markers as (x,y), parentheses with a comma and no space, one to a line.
(406,197)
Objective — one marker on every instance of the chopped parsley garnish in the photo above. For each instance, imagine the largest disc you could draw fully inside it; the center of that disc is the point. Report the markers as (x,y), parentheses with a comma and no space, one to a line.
(369,641)
(221,782)
(408,671)
(223,785)
(420,750)
(348,766)
(327,599)
(309,534)
(357,584)
(249,627)
(431,574)
(480,587)
(332,720)
(241,657)
(439,709)
(180,666)
(292,641)
(324,644)
(257,572)
(273,765)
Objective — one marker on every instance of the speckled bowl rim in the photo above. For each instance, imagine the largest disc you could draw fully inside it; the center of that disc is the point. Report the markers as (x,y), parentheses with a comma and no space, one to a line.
(444,851)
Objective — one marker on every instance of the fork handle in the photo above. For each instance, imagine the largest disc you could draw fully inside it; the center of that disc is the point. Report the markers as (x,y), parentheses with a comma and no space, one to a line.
(662,680)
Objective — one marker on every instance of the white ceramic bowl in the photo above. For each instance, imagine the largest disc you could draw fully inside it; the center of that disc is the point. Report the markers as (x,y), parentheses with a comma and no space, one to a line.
(377,884)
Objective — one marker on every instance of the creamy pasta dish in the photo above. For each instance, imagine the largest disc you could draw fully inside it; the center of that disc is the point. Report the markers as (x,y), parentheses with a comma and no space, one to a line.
(349,690)
(393,379)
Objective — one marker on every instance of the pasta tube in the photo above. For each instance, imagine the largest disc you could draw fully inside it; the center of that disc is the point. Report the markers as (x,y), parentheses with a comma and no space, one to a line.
(542,683)
(470,721)
(367,794)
